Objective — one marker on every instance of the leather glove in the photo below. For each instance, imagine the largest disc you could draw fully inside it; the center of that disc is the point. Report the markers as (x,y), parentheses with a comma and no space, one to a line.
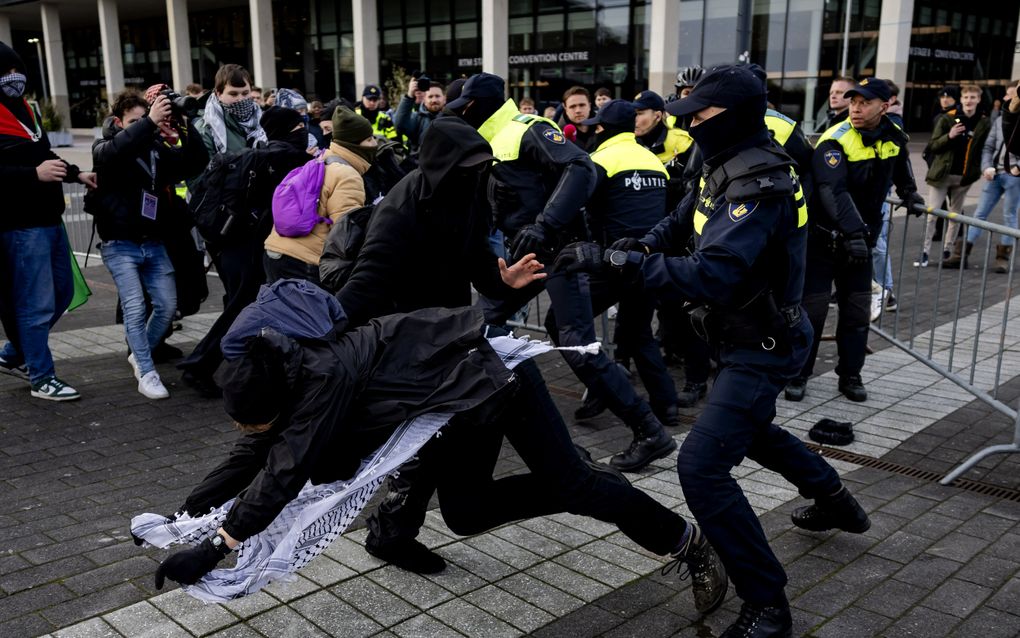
(580,256)
(533,238)
(503,197)
(628,244)
(856,248)
(190,565)
(911,202)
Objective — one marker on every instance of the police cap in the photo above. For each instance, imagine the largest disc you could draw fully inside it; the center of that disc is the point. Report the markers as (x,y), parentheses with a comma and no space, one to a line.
(725,86)
(870,89)
(614,114)
(649,100)
(371,91)
(479,85)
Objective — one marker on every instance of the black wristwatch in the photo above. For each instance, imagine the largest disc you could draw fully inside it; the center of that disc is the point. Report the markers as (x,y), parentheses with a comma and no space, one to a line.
(220,543)
(618,258)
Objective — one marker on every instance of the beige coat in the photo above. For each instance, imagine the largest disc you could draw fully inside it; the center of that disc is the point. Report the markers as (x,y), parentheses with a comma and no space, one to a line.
(343,190)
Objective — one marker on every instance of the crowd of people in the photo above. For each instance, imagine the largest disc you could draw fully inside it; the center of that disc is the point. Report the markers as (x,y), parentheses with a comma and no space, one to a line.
(706,206)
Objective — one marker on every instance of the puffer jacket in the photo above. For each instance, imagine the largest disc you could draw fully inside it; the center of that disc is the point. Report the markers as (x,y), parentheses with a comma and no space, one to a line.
(343,190)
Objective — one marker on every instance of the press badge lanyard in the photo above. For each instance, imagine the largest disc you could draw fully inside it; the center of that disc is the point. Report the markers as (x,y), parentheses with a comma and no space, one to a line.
(149,200)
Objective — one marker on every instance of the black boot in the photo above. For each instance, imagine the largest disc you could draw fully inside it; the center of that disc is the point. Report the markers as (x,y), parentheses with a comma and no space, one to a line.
(651,442)
(758,621)
(853,388)
(669,416)
(796,389)
(590,408)
(841,511)
(690,394)
(708,576)
(407,554)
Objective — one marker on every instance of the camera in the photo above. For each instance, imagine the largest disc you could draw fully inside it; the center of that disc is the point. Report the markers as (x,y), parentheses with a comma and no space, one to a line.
(181,105)
(424,82)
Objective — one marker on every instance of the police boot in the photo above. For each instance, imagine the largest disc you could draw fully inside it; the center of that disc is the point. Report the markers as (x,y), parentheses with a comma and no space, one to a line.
(853,388)
(1002,254)
(708,576)
(690,394)
(758,621)
(591,407)
(839,511)
(668,416)
(796,389)
(651,442)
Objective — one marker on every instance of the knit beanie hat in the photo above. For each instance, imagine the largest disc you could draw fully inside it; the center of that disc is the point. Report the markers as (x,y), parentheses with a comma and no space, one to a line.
(350,127)
(9,59)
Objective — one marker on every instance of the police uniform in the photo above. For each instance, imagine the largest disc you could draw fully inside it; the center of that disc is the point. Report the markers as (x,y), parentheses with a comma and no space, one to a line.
(382,124)
(853,170)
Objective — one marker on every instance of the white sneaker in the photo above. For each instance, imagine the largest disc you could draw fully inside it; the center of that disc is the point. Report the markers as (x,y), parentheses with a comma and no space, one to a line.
(134,366)
(151,386)
(877,301)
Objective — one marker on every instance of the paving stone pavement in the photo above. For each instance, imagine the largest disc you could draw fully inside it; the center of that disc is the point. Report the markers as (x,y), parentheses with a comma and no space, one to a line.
(938,561)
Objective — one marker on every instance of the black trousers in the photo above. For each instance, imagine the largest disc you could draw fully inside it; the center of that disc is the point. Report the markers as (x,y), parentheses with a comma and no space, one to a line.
(240,269)
(460,466)
(827,264)
(679,339)
(287,267)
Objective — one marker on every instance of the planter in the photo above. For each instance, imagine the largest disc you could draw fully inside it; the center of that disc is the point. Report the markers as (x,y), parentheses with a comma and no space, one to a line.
(60,138)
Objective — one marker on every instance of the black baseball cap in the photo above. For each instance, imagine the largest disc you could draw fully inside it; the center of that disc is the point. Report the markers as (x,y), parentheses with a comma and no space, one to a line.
(371,91)
(615,114)
(725,86)
(479,85)
(649,100)
(951,91)
(870,89)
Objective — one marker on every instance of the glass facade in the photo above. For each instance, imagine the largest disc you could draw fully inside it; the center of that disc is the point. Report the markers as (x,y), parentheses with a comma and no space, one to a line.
(315,47)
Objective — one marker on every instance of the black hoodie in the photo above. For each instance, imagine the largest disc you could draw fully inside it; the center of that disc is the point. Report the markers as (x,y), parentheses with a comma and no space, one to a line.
(28,203)
(427,240)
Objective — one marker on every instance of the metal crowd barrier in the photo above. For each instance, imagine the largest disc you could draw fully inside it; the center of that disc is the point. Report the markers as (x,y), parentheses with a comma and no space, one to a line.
(79,226)
(958,340)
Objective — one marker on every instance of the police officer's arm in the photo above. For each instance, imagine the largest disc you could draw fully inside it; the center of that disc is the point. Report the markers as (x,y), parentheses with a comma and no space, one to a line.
(799,148)
(830,174)
(724,258)
(674,230)
(575,169)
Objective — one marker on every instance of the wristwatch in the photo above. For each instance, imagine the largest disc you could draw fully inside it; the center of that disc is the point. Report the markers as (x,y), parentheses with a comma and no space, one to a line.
(618,258)
(220,543)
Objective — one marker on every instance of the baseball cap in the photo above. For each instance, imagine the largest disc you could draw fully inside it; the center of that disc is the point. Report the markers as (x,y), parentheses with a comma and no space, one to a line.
(479,85)
(371,91)
(870,89)
(649,100)
(614,113)
(725,86)
(951,91)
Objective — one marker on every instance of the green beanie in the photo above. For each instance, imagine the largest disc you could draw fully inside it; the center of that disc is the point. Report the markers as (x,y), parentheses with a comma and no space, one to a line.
(350,127)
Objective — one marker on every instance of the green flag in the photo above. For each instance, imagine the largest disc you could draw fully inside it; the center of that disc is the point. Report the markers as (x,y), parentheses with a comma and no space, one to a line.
(82,292)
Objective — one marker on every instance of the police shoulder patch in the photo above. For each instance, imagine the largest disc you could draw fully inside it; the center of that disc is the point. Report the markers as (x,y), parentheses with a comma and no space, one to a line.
(832,158)
(740,211)
(554,136)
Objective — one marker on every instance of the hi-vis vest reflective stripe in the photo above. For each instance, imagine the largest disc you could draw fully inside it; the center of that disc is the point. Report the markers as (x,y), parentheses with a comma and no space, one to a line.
(677,142)
(505,129)
(704,206)
(853,144)
(622,153)
(389,132)
(781,126)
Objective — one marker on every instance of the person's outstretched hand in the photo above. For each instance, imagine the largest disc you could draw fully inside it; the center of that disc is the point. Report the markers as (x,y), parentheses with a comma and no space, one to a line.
(525,271)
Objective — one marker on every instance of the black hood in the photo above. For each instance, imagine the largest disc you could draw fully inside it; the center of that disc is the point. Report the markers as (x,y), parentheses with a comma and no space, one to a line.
(9,59)
(449,143)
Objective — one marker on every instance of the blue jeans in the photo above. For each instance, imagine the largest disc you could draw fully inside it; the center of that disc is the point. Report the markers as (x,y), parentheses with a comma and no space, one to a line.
(881,264)
(35,268)
(1005,185)
(140,269)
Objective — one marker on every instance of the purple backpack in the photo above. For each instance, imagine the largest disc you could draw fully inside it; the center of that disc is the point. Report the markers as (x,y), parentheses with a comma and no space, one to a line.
(296,199)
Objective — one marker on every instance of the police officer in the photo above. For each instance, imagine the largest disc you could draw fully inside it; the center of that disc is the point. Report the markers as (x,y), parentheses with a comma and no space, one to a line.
(855,163)
(369,109)
(628,201)
(671,144)
(537,189)
(744,281)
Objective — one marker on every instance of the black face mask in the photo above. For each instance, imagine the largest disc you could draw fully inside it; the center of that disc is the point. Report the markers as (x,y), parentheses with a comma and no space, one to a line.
(298,139)
(482,109)
(730,128)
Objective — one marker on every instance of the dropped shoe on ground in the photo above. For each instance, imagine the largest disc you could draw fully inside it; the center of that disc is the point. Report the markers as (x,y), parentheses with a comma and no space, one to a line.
(151,386)
(839,511)
(53,389)
(758,621)
(19,372)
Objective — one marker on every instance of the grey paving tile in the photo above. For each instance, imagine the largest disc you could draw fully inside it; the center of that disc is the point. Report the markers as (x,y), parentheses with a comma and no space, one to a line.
(594,567)
(412,588)
(921,622)
(334,616)
(852,621)
(509,608)
(197,617)
(324,571)
(531,541)
(475,566)
(252,604)
(901,547)
(958,597)
(828,598)
(473,621)
(541,594)
(375,601)
(424,626)
(653,622)
(892,598)
(144,621)
(565,579)
(503,550)
(99,602)
(352,554)
(988,623)
(288,590)
(957,546)
(285,623)
(92,628)
(557,531)
(587,621)
(237,631)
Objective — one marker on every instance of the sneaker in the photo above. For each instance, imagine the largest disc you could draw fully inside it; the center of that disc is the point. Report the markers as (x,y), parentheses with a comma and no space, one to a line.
(407,554)
(922,262)
(708,576)
(891,305)
(841,511)
(757,621)
(151,386)
(853,388)
(877,301)
(53,389)
(134,367)
(19,372)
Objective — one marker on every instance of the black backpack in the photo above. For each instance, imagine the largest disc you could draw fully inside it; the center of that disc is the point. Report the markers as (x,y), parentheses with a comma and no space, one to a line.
(223,197)
(342,247)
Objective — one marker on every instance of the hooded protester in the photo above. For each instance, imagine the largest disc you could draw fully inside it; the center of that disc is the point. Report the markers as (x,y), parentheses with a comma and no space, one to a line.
(35,264)
(347,159)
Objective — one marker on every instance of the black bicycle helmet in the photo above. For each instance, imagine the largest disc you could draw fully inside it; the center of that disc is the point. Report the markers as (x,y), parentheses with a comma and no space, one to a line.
(688,76)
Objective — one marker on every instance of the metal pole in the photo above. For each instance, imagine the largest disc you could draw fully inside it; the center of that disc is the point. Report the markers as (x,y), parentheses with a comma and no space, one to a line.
(846,36)
(42,69)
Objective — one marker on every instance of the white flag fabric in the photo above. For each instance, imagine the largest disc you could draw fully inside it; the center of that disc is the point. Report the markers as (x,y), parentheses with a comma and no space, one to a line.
(319,514)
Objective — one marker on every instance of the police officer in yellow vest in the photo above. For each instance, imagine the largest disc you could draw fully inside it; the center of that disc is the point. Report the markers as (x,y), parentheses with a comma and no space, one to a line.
(854,165)
(670,144)
(369,109)
(538,188)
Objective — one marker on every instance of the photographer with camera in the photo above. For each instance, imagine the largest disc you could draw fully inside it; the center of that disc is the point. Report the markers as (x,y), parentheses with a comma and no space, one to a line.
(412,121)
(144,152)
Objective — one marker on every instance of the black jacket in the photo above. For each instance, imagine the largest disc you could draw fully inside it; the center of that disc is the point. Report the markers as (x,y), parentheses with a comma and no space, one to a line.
(427,241)
(124,160)
(344,399)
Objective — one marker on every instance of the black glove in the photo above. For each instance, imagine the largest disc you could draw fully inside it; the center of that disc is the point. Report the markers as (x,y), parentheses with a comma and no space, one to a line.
(912,201)
(580,256)
(503,197)
(856,248)
(533,238)
(628,244)
(188,566)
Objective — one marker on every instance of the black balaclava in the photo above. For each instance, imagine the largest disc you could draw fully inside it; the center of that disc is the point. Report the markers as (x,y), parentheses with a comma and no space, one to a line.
(279,122)
(731,127)
(481,109)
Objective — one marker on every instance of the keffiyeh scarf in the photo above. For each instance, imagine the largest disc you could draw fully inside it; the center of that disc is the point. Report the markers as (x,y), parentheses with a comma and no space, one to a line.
(246,113)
